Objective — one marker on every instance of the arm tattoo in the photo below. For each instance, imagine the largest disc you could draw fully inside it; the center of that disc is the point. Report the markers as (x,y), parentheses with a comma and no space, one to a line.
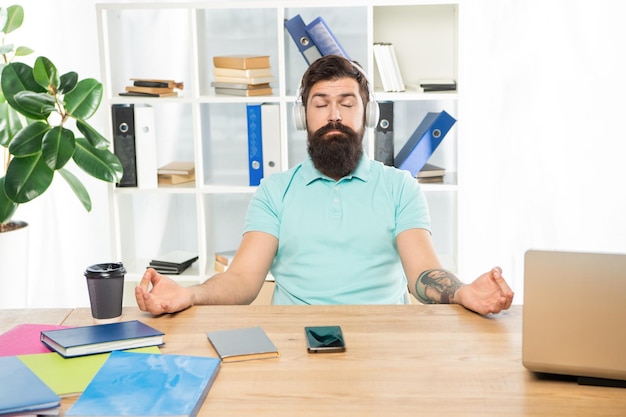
(436,286)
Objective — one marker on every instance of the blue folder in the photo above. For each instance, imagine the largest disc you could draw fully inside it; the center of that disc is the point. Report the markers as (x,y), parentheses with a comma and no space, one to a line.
(255,143)
(297,29)
(423,142)
(324,38)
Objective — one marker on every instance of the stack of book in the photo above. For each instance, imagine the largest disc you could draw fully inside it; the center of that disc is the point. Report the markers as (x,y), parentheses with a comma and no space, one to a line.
(388,67)
(151,87)
(431,173)
(176,172)
(223,260)
(242,75)
(438,85)
(174,262)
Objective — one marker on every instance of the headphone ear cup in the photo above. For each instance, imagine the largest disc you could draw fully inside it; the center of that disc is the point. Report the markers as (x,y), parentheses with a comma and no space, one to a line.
(299,116)
(372,113)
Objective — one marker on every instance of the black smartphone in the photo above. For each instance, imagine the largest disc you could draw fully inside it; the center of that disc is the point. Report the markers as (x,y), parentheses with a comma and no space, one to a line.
(324,339)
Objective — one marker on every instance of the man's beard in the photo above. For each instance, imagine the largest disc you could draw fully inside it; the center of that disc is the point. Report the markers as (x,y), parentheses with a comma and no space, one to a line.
(337,155)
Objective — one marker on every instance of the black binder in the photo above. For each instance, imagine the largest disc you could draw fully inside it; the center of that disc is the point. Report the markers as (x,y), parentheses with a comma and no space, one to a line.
(124,142)
(383,141)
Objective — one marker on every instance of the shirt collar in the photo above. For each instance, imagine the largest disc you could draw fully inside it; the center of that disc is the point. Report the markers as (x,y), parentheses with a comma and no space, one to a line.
(310,173)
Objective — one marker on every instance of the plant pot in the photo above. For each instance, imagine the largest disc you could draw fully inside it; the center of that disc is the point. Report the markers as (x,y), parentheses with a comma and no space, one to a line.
(14,266)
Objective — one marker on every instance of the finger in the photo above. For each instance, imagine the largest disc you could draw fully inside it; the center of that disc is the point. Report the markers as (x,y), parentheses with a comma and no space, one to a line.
(505,290)
(139,297)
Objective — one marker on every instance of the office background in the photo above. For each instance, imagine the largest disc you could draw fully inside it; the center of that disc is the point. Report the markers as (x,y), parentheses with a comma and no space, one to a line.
(541,110)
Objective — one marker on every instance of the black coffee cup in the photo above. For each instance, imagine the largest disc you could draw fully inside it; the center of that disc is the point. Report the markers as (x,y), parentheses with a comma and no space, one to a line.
(105,283)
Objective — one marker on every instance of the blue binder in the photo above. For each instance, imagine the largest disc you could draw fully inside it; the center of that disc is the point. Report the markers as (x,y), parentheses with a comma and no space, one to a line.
(297,29)
(255,143)
(423,142)
(324,38)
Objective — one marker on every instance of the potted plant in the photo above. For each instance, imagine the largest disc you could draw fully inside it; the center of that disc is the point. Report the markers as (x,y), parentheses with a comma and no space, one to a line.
(44,129)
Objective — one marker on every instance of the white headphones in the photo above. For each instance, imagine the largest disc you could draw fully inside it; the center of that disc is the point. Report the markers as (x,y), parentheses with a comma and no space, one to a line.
(371,110)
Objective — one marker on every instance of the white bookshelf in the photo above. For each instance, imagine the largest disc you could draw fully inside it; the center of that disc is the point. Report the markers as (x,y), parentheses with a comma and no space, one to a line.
(208,215)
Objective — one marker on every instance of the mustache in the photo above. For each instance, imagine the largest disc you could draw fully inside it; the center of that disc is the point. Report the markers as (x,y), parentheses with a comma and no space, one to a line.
(334,126)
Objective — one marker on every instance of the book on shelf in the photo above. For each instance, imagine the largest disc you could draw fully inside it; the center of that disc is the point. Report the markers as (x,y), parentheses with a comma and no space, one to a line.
(177,168)
(225,257)
(424,141)
(176,172)
(324,38)
(22,392)
(147,90)
(138,94)
(99,338)
(223,260)
(155,82)
(297,30)
(150,87)
(243,73)
(240,86)
(388,68)
(251,92)
(243,80)
(143,384)
(431,174)
(241,61)
(70,376)
(249,343)
(430,171)
(173,262)
(433,85)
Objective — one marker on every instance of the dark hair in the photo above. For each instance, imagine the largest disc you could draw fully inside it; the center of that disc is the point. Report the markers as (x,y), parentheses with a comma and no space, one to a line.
(332,67)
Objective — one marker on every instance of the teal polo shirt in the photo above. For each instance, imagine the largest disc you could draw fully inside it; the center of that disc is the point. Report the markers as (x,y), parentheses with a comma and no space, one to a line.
(337,239)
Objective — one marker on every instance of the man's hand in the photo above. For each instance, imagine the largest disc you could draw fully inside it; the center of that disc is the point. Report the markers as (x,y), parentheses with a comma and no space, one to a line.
(166,295)
(489,293)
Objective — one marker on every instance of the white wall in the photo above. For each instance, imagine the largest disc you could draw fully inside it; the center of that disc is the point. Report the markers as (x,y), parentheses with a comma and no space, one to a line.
(542,87)
(542,114)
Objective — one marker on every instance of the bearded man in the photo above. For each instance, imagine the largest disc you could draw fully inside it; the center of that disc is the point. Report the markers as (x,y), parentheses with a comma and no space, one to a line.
(338,228)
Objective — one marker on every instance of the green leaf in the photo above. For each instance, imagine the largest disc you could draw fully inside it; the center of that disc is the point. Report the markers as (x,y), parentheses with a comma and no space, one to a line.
(27,178)
(7,206)
(23,51)
(46,74)
(83,101)
(68,82)
(58,146)
(78,188)
(15,18)
(28,140)
(10,124)
(18,77)
(38,105)
(99,163)
(92,135)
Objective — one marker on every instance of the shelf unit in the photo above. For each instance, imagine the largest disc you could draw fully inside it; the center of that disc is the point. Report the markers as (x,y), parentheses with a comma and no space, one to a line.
(208,215)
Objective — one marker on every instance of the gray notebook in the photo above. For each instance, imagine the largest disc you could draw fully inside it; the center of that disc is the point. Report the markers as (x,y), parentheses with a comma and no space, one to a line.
(243,344)
(574,314)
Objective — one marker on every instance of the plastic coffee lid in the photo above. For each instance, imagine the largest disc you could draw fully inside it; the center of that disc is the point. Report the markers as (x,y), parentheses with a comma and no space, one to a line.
(106,270)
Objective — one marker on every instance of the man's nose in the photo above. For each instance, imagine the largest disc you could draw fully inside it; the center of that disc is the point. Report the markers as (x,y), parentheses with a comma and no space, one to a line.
(335,114)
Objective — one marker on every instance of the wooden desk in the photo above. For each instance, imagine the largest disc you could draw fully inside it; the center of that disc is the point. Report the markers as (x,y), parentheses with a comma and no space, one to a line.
(400,360)
(10,318)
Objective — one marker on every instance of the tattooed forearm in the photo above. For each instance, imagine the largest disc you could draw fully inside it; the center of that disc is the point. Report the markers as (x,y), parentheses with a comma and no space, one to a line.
(436,286)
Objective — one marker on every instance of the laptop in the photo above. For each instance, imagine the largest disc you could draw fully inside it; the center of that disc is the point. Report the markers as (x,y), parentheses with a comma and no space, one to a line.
(574,315)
